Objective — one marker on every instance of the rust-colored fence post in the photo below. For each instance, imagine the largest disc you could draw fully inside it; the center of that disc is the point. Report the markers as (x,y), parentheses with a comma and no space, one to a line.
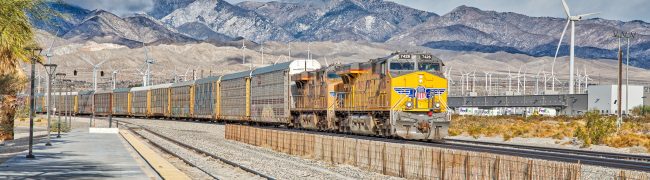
(529,169)
(383,159)
(468,168)
(442,164)
(402,166)
(497,163)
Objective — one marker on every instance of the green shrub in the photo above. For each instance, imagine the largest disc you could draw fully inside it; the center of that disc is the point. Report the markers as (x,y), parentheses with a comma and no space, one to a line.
(54,127)
(597,128)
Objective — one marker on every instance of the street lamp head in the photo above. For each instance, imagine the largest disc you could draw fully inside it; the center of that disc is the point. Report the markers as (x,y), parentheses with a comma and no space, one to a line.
(50,68)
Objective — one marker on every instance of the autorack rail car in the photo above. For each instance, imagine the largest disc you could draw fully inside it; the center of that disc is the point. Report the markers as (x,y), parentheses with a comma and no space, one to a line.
(401,95)
(121,99)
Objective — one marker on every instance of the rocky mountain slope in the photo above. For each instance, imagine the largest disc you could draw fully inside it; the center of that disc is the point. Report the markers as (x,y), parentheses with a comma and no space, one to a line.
(463,29)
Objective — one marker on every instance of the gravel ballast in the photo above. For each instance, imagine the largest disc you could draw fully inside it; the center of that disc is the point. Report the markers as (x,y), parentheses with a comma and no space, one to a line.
(210,138)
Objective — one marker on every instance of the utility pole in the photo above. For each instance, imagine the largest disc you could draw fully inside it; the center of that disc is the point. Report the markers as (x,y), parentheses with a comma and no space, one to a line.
(619,120)
(627,36)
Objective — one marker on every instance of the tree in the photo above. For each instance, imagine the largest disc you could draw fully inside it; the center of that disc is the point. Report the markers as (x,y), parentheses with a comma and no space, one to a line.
(15,34)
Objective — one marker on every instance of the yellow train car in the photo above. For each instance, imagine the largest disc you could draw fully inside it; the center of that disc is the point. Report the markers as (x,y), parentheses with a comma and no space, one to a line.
(64,102)
(140,102)
(235,97)
(121,102)
(181,98)
(103,100)
(85,103)
(160,104)
(206,98)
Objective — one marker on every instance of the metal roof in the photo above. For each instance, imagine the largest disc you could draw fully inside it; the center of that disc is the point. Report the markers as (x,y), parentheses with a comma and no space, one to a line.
(207,80)
(272,68)
(103,91)
(159,86)
(236,75)
(186,83)
(120,90)
(86,92)
(140,88)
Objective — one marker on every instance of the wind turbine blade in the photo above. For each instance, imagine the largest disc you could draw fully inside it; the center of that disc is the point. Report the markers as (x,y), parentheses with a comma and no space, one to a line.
(559,43)
(588,14)
(100,63)
(49,50)
(86,60)
(566,8)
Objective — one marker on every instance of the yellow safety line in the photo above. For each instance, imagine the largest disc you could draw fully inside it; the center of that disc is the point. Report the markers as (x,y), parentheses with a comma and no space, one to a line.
(165,169)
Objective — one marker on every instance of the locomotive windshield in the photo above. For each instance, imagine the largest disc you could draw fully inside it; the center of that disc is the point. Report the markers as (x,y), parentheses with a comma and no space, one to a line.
(402,66)
(428,66)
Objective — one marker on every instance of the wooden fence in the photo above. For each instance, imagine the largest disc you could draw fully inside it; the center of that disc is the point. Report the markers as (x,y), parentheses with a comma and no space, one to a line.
(402,160)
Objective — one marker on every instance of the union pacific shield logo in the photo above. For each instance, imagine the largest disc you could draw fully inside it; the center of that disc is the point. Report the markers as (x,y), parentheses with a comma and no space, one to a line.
(420,92)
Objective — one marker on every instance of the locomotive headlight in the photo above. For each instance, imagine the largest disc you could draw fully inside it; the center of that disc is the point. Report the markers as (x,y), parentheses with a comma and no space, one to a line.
(409,105)
(420,79)
(437,105)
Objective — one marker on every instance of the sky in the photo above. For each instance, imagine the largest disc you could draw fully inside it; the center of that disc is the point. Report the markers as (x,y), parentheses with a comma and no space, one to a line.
(625,10)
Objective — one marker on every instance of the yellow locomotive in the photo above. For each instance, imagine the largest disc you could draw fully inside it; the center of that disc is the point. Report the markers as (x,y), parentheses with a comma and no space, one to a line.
(402,95)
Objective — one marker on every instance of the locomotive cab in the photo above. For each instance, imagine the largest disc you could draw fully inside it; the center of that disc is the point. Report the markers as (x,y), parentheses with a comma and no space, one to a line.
(418,96)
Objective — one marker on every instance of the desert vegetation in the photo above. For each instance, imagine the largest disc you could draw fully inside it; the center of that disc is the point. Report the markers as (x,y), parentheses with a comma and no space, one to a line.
(589,129)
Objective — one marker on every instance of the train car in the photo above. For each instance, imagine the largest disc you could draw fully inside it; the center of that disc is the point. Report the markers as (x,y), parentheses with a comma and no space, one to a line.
(206,97)
(85,103)
(182,100)
(40,103)
(271,90)
(140,101)
(103,100)
(160,104)
(65,102)
(315,98)
(121,102)
(234,90)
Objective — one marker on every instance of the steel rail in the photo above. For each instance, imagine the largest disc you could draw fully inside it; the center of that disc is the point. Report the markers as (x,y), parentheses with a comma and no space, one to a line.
(203,152)
(631,157)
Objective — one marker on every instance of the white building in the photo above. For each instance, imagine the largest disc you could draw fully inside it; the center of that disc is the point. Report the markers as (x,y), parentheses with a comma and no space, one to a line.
(604,98)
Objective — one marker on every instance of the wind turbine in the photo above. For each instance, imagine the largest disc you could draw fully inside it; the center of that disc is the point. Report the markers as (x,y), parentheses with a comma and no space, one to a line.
(570,20)
(488,82)
(95,68)
(114,77)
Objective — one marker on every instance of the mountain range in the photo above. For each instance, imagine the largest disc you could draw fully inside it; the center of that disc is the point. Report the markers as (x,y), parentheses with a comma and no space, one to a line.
(463,29)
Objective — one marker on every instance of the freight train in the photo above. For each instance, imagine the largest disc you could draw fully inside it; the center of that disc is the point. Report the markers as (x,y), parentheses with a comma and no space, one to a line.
(402,95)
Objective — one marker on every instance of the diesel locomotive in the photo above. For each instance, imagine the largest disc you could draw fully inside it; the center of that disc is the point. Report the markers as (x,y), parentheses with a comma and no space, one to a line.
(402,95)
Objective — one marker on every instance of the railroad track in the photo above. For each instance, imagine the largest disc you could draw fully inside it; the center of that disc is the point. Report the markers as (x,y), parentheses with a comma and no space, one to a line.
(235,171)
(620,161)
(630,157)
(603,159)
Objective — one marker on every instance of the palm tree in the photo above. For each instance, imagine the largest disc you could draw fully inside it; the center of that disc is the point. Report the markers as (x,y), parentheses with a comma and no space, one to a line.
(15,34)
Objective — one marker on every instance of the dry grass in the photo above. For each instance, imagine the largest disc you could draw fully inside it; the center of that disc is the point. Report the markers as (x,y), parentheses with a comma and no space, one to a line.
(589,129)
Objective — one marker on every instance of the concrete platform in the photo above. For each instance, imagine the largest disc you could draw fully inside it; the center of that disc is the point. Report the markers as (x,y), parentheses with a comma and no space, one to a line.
(80,155)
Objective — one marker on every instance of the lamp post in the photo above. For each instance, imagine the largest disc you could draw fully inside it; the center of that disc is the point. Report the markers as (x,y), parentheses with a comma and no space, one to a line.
(50,69)
(31,99)
(60,76)
(67,109)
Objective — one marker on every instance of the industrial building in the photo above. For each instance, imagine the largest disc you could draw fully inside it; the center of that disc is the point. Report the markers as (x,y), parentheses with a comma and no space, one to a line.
(598,97)
(604,98)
